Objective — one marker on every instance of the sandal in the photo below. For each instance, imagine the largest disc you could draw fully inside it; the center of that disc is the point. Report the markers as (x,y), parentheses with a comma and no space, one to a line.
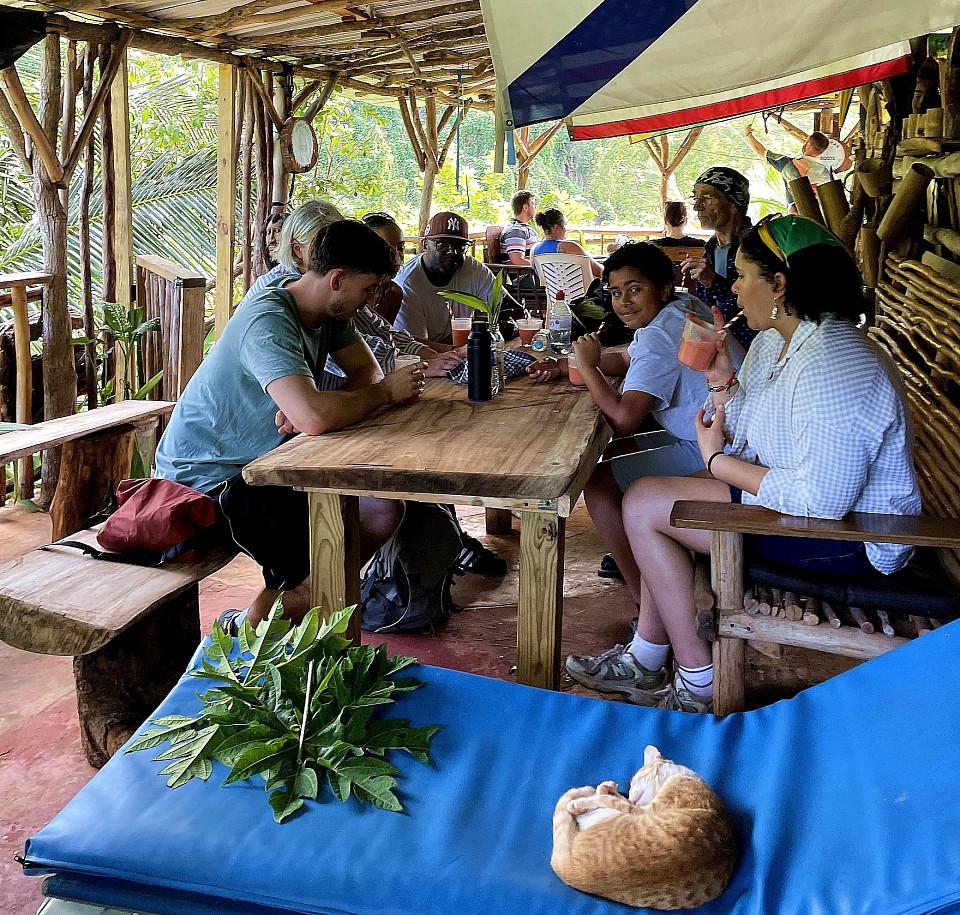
(609,568)
(476,559)
(231,620)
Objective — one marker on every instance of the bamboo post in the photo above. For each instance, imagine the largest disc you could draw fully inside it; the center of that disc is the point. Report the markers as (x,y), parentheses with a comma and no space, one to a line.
(806,200)
(122,201)
(226,195)
(910,195)
(834,205)
(870,255)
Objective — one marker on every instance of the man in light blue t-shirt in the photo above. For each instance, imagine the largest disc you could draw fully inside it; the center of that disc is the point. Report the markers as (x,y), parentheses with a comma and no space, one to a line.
(258,386)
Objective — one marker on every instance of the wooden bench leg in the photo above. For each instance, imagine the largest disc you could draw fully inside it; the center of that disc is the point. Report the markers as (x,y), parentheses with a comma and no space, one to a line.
(726,564)
(499,521)
(90,470)
(119,685)
(728,692)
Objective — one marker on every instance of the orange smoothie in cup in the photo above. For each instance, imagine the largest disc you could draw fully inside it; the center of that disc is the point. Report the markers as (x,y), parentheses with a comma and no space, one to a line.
(528,328)
(573,373)
(698,346)
(461,330)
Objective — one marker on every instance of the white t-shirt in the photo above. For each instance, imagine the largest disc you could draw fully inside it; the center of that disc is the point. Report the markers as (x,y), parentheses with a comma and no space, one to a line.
(424,313)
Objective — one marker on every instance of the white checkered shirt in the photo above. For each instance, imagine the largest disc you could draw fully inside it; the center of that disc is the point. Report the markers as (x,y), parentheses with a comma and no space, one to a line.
(830,421)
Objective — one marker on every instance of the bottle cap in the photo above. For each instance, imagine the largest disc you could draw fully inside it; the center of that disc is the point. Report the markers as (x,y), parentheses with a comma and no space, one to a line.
(561,294)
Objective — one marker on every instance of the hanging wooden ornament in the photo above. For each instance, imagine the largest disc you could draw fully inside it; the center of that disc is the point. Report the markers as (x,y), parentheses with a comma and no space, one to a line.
(298,146)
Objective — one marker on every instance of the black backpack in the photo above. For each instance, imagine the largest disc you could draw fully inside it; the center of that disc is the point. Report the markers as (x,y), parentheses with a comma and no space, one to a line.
(407,585)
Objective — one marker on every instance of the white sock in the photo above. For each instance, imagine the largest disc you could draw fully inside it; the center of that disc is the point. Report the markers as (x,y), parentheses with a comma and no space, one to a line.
(698,681)
(650,655)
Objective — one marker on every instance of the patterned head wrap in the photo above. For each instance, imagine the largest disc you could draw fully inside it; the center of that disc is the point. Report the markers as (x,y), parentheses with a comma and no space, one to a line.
(730,183)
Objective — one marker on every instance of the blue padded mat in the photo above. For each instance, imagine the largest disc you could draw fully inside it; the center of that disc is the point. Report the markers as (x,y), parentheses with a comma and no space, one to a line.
(845,800)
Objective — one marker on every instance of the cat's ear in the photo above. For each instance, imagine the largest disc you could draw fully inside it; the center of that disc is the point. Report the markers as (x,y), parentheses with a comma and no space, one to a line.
(650,754)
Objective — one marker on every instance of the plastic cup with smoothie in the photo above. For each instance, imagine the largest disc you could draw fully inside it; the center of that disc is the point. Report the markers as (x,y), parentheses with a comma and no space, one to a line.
(698,345)
(461,330)
(528,328)
(573,373)
(403,361)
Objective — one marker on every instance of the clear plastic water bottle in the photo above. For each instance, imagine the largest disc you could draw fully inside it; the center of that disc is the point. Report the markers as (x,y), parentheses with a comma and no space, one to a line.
(561,324)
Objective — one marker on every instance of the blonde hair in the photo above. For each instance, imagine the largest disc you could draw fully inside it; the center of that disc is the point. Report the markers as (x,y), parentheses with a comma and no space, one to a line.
(301,227)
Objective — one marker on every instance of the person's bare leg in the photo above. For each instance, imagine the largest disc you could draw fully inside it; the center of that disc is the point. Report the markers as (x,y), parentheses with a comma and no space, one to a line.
(604,502)
(379,519)
(662,553)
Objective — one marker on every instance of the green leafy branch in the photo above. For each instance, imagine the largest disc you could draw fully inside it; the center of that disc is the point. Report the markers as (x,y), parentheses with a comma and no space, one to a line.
(491,309)
(294,706)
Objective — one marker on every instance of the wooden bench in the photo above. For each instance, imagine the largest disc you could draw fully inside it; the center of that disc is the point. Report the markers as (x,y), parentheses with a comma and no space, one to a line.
(131,629)
(97,454)
(734,627)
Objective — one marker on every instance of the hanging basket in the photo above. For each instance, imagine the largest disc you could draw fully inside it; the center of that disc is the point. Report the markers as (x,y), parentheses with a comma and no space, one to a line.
(298,146)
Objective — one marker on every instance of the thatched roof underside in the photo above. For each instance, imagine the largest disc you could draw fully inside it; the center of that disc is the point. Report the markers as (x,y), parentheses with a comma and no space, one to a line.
(382,49)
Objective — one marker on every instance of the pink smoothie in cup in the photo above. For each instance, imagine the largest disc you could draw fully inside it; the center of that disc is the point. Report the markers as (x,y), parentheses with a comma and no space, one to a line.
(528,328)
(698,345)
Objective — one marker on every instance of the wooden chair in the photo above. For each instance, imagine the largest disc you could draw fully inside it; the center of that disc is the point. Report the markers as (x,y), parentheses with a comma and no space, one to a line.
(569,272)
(677,257)
(900,593)
(491,245)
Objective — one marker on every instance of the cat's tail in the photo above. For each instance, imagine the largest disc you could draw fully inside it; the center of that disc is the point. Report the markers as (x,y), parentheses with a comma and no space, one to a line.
(565,828)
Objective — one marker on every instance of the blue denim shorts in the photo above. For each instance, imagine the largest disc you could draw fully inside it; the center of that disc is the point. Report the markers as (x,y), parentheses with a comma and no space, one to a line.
(842,558)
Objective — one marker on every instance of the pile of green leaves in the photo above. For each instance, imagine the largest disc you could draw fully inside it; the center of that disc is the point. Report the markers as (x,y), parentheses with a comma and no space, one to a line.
(295,707)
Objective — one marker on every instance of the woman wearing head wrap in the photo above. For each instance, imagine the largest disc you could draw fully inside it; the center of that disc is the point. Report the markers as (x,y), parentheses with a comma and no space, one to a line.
(720,199)
(814,424)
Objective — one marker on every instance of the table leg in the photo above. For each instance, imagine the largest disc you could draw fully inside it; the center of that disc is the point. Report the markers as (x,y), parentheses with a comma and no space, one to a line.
(335,555)
(499,521)
(726,563)
(540,611)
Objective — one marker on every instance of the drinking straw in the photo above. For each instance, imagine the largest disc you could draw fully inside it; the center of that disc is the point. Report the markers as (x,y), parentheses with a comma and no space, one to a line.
(733,320)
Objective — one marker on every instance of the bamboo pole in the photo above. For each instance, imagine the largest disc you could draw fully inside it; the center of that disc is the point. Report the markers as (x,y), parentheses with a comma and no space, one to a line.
(906,201)
(86,274)
(806,200)
(226,196)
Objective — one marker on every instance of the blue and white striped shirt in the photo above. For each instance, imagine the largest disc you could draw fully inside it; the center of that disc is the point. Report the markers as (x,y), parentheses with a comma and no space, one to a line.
(831,422)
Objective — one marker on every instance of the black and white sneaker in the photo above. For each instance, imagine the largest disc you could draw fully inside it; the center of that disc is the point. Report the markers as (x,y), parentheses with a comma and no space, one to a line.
(478,560)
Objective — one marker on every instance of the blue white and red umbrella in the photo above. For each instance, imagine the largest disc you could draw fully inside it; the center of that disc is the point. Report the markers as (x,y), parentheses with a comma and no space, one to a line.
(614,67)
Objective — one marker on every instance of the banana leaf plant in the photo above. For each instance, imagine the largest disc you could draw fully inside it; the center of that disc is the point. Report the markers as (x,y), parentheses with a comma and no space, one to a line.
(491,309)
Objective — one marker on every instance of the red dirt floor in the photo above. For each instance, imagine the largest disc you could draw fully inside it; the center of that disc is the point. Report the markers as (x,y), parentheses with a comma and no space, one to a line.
(42,765)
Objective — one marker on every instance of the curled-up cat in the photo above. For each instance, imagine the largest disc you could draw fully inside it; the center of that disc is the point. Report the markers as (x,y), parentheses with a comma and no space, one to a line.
(668,845)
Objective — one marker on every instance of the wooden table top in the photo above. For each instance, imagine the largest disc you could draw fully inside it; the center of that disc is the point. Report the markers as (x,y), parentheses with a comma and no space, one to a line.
(531,447)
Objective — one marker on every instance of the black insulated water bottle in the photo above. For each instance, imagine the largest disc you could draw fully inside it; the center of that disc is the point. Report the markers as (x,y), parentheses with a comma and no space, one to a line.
(479,348)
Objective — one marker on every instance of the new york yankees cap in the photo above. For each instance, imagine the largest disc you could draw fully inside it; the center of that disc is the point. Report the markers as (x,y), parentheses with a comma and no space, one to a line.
(447,225)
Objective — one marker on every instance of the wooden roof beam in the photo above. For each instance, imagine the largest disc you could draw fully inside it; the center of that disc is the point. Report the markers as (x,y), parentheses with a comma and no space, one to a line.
(336,28)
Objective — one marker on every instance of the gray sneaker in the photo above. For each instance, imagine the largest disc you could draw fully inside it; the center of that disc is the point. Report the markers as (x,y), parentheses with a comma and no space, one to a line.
(618,671)
(682,700)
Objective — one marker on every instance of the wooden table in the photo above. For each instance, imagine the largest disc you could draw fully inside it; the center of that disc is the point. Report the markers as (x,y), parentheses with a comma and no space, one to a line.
(530,450)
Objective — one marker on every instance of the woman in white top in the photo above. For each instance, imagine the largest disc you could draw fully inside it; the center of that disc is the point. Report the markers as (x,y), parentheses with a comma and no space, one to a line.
(815,424)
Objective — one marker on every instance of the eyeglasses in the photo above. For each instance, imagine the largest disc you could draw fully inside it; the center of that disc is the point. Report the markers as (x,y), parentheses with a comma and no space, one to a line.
(446,244)
(703,199)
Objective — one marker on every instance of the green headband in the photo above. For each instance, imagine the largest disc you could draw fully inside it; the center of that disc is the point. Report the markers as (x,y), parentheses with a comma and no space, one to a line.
(788,234)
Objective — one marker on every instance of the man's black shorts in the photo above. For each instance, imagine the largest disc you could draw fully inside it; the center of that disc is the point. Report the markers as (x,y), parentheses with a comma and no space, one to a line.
(271,525)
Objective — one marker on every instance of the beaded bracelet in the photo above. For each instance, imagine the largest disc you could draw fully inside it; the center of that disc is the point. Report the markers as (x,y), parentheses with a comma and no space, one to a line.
(711,459)
(724,388)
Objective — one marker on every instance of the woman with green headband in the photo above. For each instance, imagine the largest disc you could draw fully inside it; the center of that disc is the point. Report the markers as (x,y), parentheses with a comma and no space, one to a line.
(815,424)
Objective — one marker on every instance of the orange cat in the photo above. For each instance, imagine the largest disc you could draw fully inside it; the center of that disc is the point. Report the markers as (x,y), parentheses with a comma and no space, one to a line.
(669,845)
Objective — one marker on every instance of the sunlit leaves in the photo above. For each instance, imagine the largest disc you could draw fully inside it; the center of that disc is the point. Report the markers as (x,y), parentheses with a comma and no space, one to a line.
(294,706)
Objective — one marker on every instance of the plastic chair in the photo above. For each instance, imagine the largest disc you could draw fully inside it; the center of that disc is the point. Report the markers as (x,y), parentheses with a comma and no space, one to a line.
(569,272)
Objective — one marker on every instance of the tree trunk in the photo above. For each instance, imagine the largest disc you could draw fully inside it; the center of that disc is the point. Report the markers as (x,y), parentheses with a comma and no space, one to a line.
(86,278)
(426,198)
(59,373)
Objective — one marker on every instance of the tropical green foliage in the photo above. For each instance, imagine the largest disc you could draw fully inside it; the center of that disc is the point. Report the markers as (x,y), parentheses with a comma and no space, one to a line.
(295,707)
(365,163)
